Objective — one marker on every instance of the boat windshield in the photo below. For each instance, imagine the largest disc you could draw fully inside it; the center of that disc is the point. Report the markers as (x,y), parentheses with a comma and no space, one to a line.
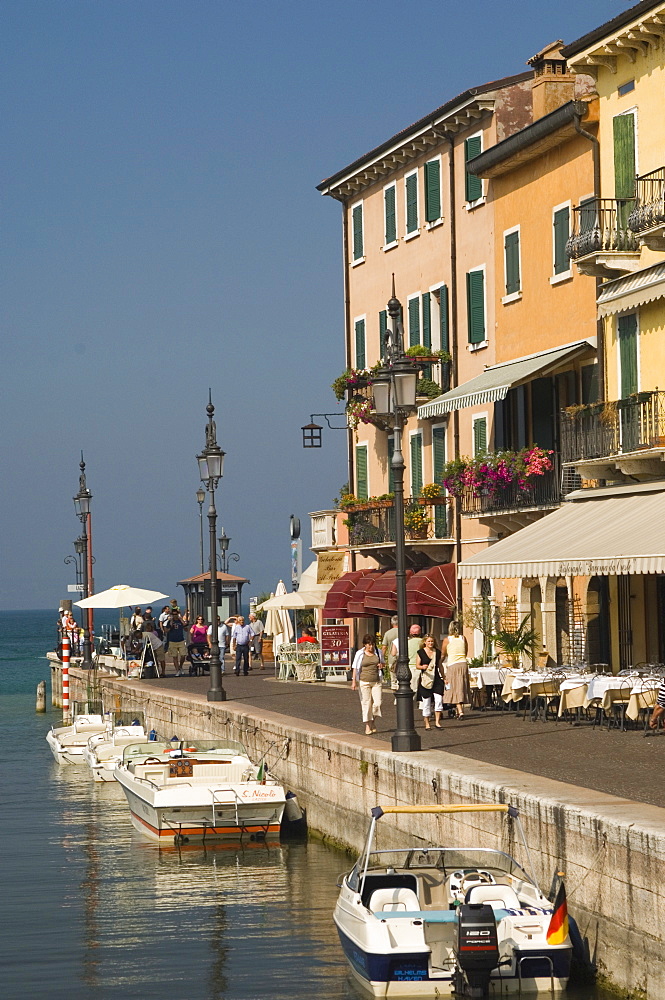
(125,718)
(188,748)
(443,859)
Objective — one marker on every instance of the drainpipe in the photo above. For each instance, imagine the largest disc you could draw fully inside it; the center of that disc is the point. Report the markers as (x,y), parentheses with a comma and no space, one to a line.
(452,319)
(347,351)
(600,326)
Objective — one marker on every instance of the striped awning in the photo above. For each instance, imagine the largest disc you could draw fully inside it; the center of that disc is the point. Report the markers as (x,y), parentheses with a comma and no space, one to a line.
(495,381)
(632,290)
(609,533)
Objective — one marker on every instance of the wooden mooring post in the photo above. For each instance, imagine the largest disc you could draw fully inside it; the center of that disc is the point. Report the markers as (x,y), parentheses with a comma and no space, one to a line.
(40,705)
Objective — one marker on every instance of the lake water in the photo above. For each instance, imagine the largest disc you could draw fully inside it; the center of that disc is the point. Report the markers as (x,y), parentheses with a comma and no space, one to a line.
(91,910)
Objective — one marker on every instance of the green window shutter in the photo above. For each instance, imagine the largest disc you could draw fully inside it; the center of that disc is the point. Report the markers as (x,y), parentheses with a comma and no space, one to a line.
(512,255)
(475,305)
(480,436)
(391,474)
(627,333)
(416,465)
(443,317)
(412,203)
(361,361)
(357,217)
(390,215)
(473,185)
(561,234)
(361,473)
(433,190)
(438,462)
(427,320)
(587,215)
(383,329)
(624,156)
(414,322)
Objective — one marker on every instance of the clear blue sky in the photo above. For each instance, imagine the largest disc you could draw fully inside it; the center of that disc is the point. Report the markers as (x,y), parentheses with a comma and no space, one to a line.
(161,233)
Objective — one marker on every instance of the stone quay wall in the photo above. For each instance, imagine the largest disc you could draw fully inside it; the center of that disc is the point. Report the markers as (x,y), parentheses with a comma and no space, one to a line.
(611,850)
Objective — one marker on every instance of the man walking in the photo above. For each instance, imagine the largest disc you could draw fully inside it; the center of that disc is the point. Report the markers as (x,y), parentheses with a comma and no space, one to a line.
(222,638)
(387,648)
(256,626)
(241,637)
(175,639)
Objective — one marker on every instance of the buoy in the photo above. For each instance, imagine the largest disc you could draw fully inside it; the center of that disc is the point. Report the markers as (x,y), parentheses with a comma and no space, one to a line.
(40,705)
(292,811)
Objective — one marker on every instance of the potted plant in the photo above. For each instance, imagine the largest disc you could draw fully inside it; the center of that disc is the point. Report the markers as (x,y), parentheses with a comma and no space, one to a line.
(416,523)
(432,493)
(513,643)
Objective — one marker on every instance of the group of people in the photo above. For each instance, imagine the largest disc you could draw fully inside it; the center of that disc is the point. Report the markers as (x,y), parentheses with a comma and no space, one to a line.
(68,627)
(439,676)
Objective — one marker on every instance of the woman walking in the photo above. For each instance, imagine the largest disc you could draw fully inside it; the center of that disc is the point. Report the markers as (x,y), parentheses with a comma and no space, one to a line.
(366,675)
(430,682)
(458,688)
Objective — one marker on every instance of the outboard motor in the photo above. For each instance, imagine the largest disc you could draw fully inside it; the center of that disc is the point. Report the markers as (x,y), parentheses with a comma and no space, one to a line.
(477,946)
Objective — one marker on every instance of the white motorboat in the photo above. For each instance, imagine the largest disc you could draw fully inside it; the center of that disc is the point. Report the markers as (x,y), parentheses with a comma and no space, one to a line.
(199,790)
(422,921)
(67,743)
(104,750)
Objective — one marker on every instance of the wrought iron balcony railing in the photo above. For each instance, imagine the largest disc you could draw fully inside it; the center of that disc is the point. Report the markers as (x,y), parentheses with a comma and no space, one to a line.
(374,524)
(601,226)
(541,491)
(601,430)
(649,208)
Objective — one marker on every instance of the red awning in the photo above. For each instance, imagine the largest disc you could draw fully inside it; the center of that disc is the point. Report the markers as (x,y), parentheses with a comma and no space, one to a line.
(339,593)
(356,601)
(382,597)
(432,592)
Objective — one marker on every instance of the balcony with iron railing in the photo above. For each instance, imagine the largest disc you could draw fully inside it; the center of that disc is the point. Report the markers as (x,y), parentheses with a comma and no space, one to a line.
(647,217)
(425,521)
(624,438)
(602,243)
(537,492)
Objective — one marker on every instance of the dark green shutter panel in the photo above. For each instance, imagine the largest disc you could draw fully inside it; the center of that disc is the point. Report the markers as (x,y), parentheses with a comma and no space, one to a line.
(624,156)
(443,317)
(427,320)
(412,203)
(561,234)
(416,465)
(512,252)
(433,190)
(383,329)
(439,461)
(587,215)
(361,361)
(414,322)
(475,304)
(474,185)
(590,384)
(627,331)
(480,436)
(357,232)
(361,473)
(390,216)
(391,474)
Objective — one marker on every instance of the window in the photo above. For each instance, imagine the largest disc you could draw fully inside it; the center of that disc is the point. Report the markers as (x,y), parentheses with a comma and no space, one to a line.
(358,236)
(432,175)
(511,256)
(427,320)
(475,305)
(624,155)
(416,464)
(627,338)
(411,196)
(438,464)
(383,330)
(473,146)
(362,483)
(561,232)
(443,318)
(413,309)
(626,88)
(390,215)
(479,436)
(361,357)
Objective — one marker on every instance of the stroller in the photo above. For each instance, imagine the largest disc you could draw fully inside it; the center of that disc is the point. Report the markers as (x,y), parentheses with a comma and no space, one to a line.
(197,657)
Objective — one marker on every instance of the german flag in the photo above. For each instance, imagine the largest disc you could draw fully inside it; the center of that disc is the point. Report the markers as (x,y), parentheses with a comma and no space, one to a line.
(557,932)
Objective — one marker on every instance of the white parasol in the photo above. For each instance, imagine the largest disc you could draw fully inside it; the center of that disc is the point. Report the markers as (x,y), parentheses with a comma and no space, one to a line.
(278,621)
(121,596)
(296,601)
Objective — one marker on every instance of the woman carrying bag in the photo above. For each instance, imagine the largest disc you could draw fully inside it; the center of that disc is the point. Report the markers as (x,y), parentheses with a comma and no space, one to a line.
(431,681)
(367,676)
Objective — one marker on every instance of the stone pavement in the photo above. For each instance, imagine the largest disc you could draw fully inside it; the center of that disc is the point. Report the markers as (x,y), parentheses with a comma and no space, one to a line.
(625,764)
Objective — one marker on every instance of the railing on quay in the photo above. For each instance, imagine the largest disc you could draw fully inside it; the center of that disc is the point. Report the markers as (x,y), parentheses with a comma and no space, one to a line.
(649,208)
(540,491)
(374,524)
(601,225)
(600,430)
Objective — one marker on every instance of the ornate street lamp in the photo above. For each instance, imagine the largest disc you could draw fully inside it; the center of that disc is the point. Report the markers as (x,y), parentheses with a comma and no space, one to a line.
(200,497)
(211,466)
(394,391)
(224,542)
(82,508)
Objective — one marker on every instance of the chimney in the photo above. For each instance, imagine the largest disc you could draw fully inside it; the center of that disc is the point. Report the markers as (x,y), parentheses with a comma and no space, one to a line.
(553,85)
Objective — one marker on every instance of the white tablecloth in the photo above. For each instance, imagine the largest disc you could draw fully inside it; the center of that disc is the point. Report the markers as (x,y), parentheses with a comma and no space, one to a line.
(485,676)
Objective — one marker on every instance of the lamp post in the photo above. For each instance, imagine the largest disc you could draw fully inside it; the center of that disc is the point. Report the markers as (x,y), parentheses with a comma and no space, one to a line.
(394,391)
(211,465)
(200,497)
(224,542)
(82,508)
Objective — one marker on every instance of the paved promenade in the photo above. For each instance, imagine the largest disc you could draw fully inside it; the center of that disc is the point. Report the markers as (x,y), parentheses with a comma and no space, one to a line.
(626,764)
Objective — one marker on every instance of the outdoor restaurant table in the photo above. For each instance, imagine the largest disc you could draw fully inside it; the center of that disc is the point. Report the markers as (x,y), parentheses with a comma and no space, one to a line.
(486,676)
(642,696)
(573,692)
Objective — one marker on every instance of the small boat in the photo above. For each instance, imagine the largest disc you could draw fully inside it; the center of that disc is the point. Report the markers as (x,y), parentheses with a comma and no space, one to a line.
(421,921)
(199,790)
(68,743)
(104,750)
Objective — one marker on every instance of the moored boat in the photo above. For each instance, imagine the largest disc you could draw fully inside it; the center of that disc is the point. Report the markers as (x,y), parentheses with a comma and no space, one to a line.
(104,750)
(199,790)
(421,920)
(68,743)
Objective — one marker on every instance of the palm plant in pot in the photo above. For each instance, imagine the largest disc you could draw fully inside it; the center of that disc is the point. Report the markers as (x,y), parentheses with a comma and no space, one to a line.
(513,643)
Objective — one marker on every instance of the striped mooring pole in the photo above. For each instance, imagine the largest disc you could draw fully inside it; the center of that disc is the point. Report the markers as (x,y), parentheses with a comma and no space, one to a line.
(65,675)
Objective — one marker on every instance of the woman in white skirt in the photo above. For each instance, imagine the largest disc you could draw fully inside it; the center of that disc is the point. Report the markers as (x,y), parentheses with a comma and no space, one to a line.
(367,678)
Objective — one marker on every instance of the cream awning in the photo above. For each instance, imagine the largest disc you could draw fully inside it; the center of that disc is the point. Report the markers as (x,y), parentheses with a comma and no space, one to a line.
(605,535)
(632,291)
(495,381)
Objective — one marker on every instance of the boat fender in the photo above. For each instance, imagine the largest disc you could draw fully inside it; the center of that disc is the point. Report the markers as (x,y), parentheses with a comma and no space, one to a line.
(152,736)
(292,810)
(581,955)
